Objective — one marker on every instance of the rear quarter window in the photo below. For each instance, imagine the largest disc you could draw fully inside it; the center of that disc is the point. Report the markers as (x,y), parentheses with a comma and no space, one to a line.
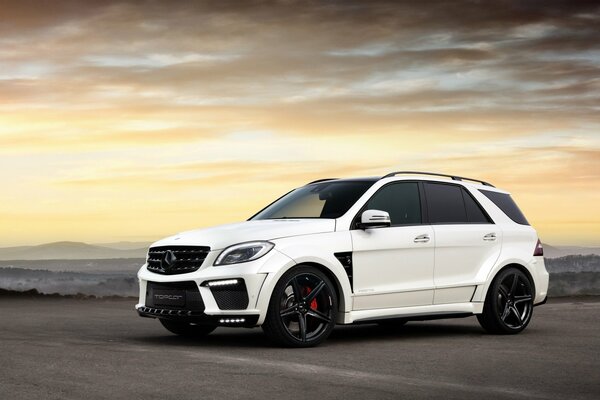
(504,202)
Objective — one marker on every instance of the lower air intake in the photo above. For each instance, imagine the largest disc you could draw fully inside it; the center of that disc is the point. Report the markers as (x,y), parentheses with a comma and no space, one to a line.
(231,297)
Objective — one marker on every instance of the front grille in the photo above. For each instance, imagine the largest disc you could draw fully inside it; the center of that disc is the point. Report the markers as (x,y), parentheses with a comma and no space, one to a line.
(170,260)
(234,297)
(192,298)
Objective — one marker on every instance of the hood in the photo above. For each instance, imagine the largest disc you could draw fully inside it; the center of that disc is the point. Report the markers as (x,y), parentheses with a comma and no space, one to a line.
(222,236)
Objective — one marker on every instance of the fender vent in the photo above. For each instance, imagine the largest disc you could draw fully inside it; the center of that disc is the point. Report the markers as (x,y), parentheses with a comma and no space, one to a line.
(345,259)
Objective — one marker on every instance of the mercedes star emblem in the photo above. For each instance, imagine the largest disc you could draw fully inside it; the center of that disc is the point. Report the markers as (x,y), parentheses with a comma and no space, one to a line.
(168,260)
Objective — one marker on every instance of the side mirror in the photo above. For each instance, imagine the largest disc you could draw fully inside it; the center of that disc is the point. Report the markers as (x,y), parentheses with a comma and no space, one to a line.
(374,219)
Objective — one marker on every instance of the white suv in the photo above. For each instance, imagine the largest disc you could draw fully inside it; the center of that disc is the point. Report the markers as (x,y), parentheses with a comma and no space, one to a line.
(407,246)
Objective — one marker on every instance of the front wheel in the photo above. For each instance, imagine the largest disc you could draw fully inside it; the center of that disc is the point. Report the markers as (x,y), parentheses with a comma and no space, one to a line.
(509,303)
(187,328)
(303,308)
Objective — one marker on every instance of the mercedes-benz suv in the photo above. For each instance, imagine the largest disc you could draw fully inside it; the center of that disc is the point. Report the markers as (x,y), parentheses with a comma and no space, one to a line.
(406,246)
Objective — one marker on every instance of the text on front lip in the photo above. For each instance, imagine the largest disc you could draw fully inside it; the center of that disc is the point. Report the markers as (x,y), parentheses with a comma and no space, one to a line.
(168,296)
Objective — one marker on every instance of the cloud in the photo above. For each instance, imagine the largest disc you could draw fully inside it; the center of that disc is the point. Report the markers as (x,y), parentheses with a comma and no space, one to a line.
(101,99)
(223,173)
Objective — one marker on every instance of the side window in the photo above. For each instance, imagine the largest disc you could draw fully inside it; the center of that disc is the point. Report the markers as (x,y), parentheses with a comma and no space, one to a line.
(400,200)
(445,204)
(475,214)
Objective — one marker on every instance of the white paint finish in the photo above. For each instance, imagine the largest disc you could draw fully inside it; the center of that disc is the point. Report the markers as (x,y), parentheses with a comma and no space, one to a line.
(393,275)
(222,236)
(461,294)
(398,299)
(388,260)
(314,249)
(461,252)
(365,315)
(518,245)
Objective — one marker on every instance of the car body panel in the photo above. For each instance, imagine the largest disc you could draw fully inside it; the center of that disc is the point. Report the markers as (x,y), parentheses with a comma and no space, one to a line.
(222,236)
(461,251)
(390,268)
(454,276)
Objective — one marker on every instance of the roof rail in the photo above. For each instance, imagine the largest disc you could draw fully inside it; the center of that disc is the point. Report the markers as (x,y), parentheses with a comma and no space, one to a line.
(454,177)
(322,180)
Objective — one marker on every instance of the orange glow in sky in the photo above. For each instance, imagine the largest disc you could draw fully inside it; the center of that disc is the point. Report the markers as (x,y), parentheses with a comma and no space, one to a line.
(132,121)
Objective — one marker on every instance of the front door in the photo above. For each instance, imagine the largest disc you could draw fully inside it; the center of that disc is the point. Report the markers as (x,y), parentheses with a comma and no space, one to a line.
(393,266)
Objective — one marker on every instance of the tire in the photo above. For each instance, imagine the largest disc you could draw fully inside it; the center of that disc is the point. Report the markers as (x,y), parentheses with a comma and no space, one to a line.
(186,328)
(302,310)
(508,305)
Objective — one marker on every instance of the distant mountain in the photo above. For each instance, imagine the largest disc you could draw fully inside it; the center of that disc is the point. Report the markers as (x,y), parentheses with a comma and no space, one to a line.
(574,275)
(85,251)
(562,251)
(68,251)
(68,283)
(125,245)
(573,263)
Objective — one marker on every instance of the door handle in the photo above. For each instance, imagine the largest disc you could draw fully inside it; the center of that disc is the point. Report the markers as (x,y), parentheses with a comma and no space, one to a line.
(422,238)
(490,237)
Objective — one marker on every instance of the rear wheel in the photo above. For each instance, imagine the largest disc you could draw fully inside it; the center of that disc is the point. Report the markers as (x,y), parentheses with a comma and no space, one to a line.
(303,308)
(509,303)
(187,328)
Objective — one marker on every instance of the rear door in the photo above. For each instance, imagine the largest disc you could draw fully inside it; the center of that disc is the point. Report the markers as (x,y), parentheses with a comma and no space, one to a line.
(466,240)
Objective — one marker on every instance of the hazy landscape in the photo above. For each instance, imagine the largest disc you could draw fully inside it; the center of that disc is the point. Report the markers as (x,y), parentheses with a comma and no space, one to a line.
(73,268)
(75,251)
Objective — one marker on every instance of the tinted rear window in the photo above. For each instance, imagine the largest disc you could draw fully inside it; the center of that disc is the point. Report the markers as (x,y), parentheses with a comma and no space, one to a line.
(445,204)
(453,204)
(507,205)
(474,212)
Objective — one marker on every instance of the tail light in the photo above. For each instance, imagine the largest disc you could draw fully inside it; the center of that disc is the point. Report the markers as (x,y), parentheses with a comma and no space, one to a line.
(539,249)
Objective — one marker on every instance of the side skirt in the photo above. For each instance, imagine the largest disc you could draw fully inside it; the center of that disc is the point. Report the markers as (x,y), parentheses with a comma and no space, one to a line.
(434,311)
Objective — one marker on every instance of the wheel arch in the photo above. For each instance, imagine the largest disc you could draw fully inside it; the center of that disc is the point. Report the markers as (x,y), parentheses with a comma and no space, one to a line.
(342,289)
(511,264)
(334,279)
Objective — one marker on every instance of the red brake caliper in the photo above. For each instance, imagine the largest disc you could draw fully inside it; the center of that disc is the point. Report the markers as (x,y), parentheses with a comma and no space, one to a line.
(313,303)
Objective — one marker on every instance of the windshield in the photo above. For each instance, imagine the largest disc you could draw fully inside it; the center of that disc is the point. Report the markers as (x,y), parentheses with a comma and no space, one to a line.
(321,200)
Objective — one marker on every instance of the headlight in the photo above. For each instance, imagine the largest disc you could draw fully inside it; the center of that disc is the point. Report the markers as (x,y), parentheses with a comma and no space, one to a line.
(243,252)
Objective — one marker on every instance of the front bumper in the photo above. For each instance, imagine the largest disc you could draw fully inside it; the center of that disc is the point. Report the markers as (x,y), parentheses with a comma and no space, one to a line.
(198,317)
(219,305)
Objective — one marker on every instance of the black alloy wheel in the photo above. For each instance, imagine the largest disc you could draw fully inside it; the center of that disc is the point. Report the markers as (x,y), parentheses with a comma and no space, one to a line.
(303,308)
(509,303)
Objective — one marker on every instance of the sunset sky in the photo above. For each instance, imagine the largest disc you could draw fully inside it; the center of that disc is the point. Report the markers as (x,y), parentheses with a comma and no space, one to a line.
(132,121)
